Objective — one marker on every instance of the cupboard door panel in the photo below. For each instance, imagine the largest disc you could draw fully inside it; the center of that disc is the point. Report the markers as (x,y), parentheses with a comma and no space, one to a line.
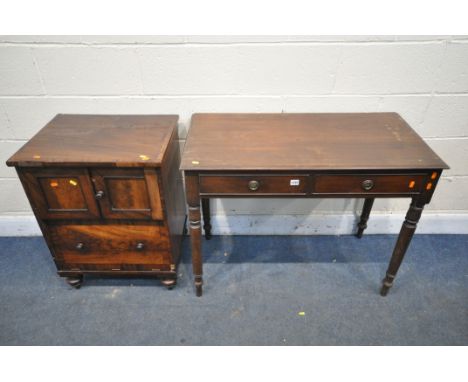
(60,193)
(127,193)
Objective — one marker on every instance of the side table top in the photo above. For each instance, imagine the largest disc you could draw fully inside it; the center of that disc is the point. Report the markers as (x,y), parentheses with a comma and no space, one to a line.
(329,141)
(99,140)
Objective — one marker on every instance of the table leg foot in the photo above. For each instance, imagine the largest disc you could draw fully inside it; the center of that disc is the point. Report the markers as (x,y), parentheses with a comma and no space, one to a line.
(404,238)
(198,286)
(387,283)
(384,290)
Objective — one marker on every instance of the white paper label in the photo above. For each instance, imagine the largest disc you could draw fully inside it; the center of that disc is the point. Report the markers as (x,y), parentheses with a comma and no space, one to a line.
(294,182)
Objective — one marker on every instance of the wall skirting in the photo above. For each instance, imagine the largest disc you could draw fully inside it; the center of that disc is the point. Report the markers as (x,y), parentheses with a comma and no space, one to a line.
(325,224)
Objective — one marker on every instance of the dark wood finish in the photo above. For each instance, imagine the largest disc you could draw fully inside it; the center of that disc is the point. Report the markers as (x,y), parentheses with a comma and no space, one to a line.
(368,183)
(172,196)
(111,244)
(360,155)
(253,184)
(193,201)
(206,218)
(125,193)
(404,238)
(366,210)
(61,193)
(107,193)
(355,141)
(99,140)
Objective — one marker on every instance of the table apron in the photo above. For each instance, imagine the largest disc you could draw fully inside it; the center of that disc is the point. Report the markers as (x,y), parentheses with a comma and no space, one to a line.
(322,185)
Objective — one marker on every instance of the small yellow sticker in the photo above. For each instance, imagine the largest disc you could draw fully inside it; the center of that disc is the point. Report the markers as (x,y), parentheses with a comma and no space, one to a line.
(195,162)
(144,157)
(73,182)
(301,313)
(36,157)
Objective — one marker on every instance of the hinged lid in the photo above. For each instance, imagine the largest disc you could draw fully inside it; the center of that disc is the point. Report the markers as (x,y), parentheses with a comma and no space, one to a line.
(99,140)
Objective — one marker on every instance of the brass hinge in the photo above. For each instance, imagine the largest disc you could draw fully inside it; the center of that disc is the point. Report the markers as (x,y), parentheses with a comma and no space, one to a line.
(172,267)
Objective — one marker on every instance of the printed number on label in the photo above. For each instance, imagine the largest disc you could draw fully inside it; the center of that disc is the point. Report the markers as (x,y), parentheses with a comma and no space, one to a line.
(294,182)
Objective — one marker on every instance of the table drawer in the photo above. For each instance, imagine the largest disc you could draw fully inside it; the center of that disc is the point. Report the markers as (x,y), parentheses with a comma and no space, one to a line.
(111,244)
(368,183)
(254,184)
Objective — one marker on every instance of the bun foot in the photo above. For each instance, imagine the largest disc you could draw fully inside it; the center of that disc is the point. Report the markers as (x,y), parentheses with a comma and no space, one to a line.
(169,283)
(359,233)
(75,281)
(207,235)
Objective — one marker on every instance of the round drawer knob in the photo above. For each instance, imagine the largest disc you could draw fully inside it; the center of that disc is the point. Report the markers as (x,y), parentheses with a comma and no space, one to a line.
(254,185)
(79,246)
(140,246)
(367,185)
(99,195)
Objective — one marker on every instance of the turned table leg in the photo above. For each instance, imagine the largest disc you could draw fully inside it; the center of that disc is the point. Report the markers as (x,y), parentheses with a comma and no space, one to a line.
(366,209)
(206,217)
(402,244)
(193,201)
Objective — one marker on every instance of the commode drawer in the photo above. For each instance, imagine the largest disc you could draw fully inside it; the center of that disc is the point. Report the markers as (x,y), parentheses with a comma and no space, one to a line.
(111,244)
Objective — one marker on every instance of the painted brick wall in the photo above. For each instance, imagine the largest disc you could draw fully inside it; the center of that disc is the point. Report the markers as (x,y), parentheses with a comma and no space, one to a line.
(424,78)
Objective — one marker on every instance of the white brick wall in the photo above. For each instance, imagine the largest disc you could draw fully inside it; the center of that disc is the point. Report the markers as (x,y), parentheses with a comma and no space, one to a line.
(424,78)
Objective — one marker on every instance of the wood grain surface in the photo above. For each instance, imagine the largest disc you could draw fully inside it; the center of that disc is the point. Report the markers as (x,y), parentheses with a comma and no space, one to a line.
(107,193)
(99,140)
(338,141)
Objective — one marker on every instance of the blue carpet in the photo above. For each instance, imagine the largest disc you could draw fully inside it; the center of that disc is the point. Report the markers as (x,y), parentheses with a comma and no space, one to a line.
(255,286)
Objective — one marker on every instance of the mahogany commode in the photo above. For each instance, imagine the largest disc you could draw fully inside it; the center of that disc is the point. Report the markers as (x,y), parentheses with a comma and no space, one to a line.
(352,155)
(107,193)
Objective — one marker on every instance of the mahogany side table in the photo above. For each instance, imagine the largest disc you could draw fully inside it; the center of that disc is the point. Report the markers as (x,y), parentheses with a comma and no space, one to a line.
(334,155)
